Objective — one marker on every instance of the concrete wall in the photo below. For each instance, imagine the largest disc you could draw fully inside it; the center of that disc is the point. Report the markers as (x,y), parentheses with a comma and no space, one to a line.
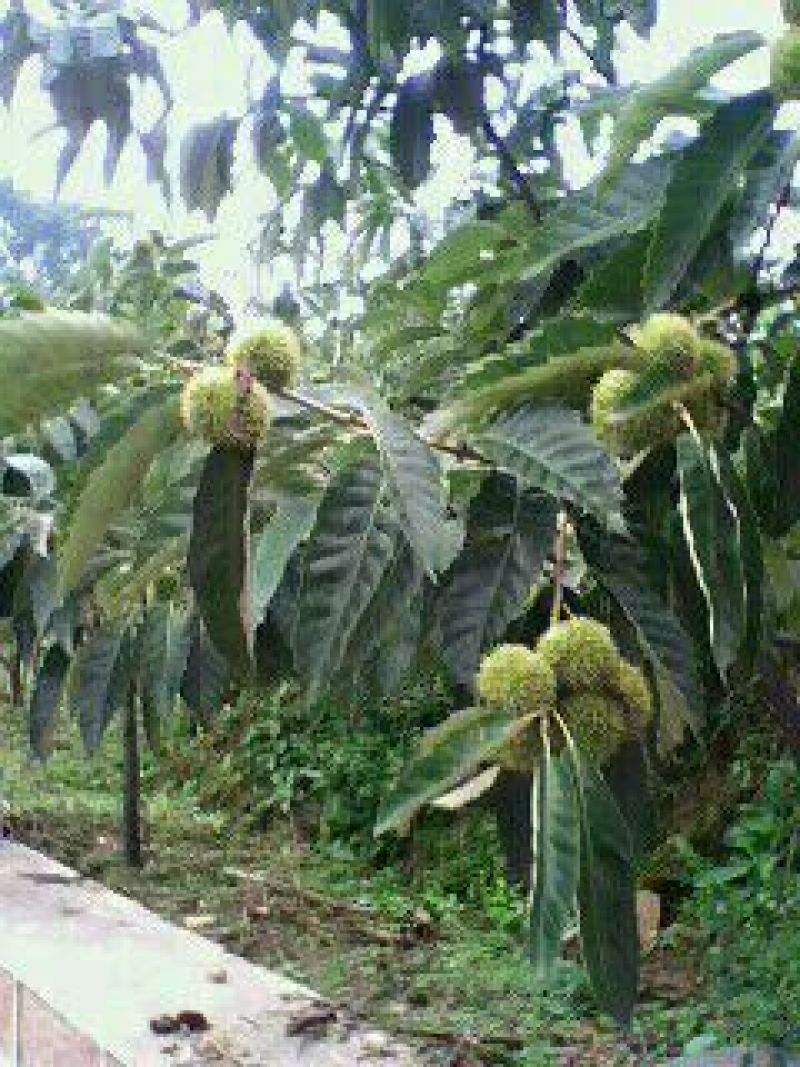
(32,1034)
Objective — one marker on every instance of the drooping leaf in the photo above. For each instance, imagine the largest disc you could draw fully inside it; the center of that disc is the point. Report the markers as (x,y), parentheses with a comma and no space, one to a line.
(308,134)
(621,569)
(606,894)
(50,358)
(411,130)
(113,486)
(454,259)
(471,790)
(219,553)
(553,339)
(579,223)
(205,678)
(671,94)
(509,536)
(414,477)
(161,648)
(750,553)
(290,525)
(555,841)
(710,527)
(207,164)
(536,20)
(554,450)
(94,683)
(768,174)
(615,285)
(787,453)
(348,550)
(383,644)
(702,179)
(566,379)
(46,698)
(447,754)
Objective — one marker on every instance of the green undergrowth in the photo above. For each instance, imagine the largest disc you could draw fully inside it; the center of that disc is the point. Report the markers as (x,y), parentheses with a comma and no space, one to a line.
(424,938)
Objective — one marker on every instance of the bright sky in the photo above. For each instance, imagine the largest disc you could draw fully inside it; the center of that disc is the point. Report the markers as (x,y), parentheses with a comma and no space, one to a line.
(208,70)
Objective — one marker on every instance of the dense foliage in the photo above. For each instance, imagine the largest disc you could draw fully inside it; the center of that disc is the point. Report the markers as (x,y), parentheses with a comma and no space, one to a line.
(570,431)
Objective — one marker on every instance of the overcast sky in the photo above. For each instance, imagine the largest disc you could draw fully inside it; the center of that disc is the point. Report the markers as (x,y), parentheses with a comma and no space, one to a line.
(207,68)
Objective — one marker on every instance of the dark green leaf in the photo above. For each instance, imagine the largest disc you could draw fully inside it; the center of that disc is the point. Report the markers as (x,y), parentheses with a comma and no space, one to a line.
(509,536)
(555,857)
(672,94)
(349,548)
(554,450)
(621,569)
(46,698)
(219,551)
(711,530)
(702,180)
(606,895)
(447,754)
(308,134)
(411,130)
(113,486)
(94,683)
(290,525)
(205,680)
(750,553)
(787,453)
(207,164)
(414,478)
(768,174)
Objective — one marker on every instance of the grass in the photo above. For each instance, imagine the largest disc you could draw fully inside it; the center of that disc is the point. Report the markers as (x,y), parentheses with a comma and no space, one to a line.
(404,952)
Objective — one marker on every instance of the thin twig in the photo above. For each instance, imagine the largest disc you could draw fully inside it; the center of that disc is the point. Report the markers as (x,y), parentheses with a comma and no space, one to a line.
(559,566)
(357,423)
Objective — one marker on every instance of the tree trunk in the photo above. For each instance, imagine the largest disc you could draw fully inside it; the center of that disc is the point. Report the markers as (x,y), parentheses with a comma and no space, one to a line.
(131,785)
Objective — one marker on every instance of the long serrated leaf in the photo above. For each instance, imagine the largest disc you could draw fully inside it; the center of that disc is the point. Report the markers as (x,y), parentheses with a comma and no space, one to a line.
(49,359)
(606,894)
(768,174)
(711,532)
(555,851)
(566,379)
(387,634)
(787,453)
(454,259)
(158,685)
(702,179)
(414,478)
(621,569)
(46,698)
(113,486)
(93,687)
(614,286)
(205,678)
(206,164)
(447,753)
(348,550)
(553,449)
(671,94)
(290,525)
(219,553)
(509,536)
(750,553)
(554,338)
